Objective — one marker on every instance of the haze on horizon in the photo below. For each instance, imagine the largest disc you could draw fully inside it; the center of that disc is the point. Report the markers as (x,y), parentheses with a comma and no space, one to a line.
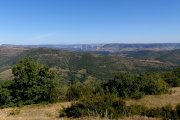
(89,21)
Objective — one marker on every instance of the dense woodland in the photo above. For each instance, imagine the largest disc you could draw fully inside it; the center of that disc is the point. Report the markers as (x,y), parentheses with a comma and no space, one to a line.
(35,83)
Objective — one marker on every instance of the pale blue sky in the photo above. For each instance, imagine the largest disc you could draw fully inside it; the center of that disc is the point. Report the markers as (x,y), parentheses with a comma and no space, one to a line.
(89,21)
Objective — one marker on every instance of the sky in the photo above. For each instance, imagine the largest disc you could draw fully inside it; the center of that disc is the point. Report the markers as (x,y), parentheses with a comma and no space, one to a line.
(89,21)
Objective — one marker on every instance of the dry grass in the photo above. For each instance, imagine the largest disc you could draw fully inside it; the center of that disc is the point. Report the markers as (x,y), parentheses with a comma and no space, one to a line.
(48,112)
(7,74)
(51,111)
(34,112)
(158,100)
(126,118)
(140,118)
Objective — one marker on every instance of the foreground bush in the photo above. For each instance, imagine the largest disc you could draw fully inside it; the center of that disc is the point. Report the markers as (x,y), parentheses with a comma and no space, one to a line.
(79,90)
(105,105)
(172,77)
(111,107)
(165,112)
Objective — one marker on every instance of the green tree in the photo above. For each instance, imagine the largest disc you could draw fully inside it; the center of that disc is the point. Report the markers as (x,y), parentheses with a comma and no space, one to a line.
(33,82)
(154,84)
(5,93)
(136,86)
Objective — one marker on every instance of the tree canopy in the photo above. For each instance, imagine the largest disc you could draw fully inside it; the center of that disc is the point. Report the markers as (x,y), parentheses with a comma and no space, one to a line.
(32,83)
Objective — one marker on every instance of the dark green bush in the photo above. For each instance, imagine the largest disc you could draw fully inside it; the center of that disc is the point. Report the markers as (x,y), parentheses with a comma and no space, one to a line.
(153,112)
(104,105)
(85,89)
(173,81)
(5,96)
(178,110)
(137,95)
(172,77)
(32,83)
(136,110)
(166,112)
(76,110)
(74,91)
(128,85)
(154,84)
(112,107)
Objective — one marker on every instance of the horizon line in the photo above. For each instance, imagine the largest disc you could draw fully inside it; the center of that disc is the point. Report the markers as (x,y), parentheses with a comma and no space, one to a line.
(92,43)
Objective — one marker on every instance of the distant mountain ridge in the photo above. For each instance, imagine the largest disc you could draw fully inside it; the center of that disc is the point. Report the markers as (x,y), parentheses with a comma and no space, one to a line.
(114,47)
(131,47)
(72,47)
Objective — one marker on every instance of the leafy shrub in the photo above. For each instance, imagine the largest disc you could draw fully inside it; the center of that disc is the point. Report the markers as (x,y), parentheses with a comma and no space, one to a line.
(136,86)
(154,84)
(32,83)
(104,105)
(173,81)
(5,97)
(178,110)
(165,112)
(5,94)
(85,89)
(74,92)
(137,95)
(136,110)
(172,77)
(112,107)
(153,112)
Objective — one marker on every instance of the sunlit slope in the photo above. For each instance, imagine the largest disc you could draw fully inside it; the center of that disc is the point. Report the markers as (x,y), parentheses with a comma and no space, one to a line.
(99,66)
(168,56)
(158,100)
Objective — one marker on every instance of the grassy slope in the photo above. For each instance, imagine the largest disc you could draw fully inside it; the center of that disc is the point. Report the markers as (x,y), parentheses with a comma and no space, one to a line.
(171,57)
(5,75)
(158,100)
(50,112)
(34,112)
(8,54)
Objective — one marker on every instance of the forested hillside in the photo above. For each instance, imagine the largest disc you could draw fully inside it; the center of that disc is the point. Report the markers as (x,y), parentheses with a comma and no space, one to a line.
(168,56)
(7,56)
(79,65)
